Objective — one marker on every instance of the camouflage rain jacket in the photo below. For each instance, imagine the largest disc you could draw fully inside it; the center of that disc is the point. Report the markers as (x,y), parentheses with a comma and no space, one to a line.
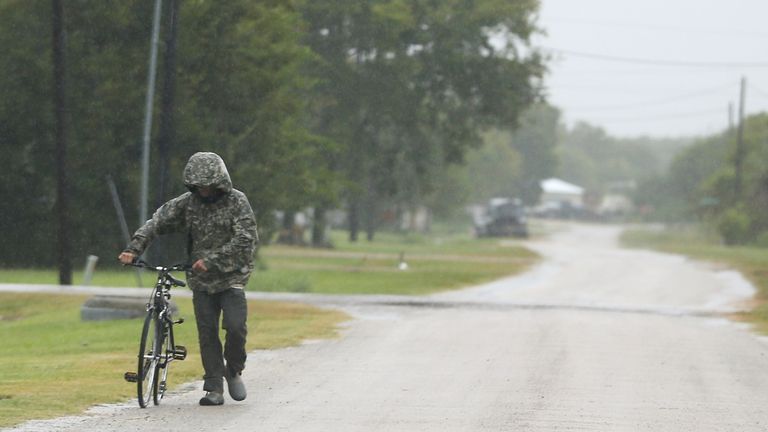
(222,233)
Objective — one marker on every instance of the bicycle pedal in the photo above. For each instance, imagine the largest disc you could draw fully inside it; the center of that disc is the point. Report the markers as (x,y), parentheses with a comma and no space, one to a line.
(162,386)
(179,352)
(179,321)
(131,377)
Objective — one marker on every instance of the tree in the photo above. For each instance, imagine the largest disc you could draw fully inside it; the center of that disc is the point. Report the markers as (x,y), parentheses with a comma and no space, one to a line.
(593,159)
(239,93)
(409,86)
(241,90)
(536,140)
(26,134)
(701,182)
(495,169)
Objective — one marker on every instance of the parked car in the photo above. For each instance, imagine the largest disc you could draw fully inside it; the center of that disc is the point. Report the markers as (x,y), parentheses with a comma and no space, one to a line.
(502,217)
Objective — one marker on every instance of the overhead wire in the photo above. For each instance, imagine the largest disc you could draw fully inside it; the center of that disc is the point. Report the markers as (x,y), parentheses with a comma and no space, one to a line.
(655,102)
(661,117)
(650,66)
(657,62)
(758,90)
(655,27)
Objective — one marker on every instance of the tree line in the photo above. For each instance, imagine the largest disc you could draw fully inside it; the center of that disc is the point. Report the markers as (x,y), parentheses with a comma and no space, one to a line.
(706,184)
(357,104)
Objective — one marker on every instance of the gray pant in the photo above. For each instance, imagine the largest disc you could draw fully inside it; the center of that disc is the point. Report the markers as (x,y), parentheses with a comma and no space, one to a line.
(208,311)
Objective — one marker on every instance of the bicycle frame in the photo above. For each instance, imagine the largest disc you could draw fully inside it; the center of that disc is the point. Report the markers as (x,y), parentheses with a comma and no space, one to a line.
(157,350)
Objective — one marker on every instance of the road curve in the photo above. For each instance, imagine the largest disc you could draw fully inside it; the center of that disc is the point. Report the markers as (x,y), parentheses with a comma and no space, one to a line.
(597,338)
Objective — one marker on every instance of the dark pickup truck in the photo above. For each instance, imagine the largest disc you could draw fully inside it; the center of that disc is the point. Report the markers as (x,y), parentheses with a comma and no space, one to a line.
(502,217)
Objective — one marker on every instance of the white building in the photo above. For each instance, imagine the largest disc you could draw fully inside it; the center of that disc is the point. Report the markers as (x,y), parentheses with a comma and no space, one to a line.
(556,193)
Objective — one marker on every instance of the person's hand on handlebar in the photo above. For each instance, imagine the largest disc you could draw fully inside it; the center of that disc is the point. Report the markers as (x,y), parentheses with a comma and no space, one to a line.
(126,257)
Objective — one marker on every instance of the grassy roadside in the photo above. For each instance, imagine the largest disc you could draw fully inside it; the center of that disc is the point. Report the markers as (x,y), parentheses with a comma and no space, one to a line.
(752,262)
(436,262)
(54,364)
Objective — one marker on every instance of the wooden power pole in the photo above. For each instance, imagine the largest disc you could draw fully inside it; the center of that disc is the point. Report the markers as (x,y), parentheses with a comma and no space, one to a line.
(739,157)
(167,132)
(60,113)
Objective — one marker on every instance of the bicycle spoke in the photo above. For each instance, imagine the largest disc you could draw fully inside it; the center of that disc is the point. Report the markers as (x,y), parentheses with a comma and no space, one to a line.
(148,361)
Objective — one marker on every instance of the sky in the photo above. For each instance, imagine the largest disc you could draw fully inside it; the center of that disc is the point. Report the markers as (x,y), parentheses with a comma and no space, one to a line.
(659,68)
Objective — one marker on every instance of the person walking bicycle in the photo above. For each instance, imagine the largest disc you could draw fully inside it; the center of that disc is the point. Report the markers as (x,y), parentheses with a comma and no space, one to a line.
(221,242)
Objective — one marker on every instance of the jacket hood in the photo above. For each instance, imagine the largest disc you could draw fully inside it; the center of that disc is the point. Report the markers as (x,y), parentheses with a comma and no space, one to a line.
(207,169)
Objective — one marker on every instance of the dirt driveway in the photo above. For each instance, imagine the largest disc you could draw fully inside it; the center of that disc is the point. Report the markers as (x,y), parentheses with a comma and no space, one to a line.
(597,338)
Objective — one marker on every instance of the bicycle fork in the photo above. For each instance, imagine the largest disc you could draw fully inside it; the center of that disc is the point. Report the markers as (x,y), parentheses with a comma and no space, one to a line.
(179,352)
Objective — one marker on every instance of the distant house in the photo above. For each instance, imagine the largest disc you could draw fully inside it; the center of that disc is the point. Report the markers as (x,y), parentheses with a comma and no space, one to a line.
(616,201)
(559,198)
(615,205)
(556,191)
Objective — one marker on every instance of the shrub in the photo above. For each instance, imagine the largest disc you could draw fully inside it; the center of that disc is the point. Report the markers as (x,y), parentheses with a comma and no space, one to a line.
(762,240)
(733,226)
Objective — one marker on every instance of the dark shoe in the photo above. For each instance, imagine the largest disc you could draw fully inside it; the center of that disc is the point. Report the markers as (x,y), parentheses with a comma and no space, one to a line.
(236,386)
(212,398)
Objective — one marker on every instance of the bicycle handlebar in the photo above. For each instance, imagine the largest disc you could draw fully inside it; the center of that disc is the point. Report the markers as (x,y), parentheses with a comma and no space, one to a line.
(143,264)
(176,267)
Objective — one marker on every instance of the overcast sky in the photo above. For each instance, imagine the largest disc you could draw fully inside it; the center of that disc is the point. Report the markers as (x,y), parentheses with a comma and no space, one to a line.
(663,68)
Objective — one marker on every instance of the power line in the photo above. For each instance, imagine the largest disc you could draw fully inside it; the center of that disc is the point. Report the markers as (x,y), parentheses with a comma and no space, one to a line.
(671,99)
(629,70)
(758,90)
(624,25)
(657,62)
(661,117)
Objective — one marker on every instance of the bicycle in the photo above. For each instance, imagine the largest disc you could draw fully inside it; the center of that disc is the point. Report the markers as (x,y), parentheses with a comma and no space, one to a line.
(157,348)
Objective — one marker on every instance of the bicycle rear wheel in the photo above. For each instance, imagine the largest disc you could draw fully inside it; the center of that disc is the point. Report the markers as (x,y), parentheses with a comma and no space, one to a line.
(149,358)
(166,357)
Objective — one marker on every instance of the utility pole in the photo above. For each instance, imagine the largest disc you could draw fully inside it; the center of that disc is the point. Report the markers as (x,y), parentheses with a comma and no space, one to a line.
(60,113)
(148,114)
(739,157)
(167,130)
(730,117)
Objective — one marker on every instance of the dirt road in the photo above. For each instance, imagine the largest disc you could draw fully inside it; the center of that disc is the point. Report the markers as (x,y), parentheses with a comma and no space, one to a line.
(595,339)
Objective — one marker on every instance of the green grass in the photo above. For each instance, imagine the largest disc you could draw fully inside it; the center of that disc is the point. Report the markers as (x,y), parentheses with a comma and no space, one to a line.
(436,262)
(54,364)
(752,262)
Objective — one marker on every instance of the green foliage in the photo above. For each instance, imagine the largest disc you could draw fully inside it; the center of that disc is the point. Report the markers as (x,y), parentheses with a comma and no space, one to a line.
(495,168)
(306,101)
(536,140)
(238,92)
(509,163)
(592,159)
(702,182)
(406,87)
(239,77)
(762,240)
(685,191)
(26,132)
(733,226)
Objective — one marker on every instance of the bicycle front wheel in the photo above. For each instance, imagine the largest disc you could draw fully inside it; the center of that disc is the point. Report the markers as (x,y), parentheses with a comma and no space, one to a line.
(149,358)
(166,356)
